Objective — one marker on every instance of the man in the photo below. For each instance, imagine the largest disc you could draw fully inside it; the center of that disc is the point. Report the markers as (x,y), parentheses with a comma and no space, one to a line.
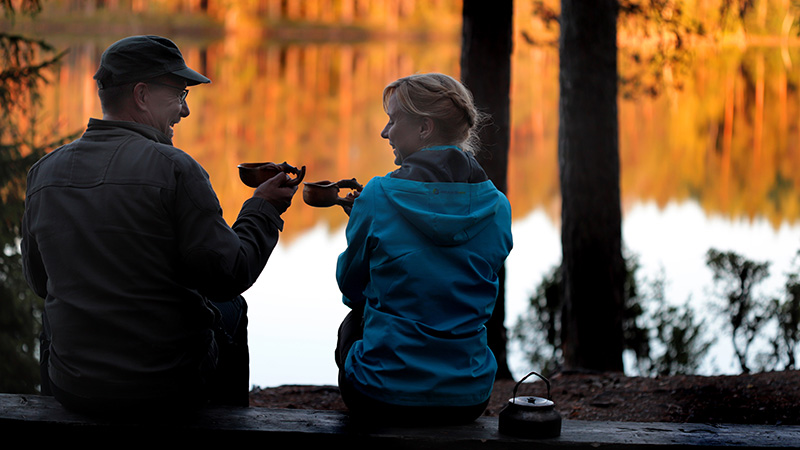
(124,238)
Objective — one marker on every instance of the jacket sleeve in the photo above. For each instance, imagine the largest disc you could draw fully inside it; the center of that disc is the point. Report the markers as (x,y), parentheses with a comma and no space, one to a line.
(32,263)
(221,261)
(352,269)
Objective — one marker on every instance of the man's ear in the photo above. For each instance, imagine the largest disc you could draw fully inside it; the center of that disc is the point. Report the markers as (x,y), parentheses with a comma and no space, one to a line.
(140,95)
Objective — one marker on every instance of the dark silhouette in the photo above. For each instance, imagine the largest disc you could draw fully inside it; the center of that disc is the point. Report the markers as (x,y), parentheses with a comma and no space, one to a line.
(486,70)
(593,267)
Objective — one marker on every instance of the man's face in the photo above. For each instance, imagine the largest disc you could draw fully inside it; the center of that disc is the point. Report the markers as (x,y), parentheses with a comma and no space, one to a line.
(165,103)
(402,130)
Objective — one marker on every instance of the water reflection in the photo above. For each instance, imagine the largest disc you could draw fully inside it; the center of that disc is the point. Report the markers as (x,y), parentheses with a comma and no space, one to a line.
(728,139)
(713,164)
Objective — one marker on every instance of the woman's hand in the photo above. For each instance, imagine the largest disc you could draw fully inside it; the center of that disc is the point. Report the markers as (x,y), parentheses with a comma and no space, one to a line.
(348,206)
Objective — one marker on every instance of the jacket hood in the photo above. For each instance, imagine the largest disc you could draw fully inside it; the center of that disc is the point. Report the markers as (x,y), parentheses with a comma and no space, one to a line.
(446,163)
(448,213)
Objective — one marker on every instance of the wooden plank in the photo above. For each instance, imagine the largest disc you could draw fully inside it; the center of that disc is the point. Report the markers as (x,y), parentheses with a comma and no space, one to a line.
(46,420)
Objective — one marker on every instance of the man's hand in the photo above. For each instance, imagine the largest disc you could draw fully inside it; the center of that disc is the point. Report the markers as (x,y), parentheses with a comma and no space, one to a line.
(274,192)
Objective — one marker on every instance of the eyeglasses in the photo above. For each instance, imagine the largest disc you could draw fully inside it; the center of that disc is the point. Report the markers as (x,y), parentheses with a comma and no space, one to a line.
(181,96)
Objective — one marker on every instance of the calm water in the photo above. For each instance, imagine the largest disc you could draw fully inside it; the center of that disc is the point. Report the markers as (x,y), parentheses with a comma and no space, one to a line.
(712,164)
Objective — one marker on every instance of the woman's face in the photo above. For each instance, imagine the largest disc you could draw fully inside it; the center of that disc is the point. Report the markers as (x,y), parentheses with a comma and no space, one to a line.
(403,131)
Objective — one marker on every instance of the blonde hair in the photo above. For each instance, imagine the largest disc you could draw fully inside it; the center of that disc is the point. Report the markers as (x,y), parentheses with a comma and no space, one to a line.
(443,99)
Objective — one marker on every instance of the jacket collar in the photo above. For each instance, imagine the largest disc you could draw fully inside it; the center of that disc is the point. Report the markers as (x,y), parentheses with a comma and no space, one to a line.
(145,130)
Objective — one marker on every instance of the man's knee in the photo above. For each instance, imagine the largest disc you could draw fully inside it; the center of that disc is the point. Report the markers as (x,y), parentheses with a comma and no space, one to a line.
(233,316)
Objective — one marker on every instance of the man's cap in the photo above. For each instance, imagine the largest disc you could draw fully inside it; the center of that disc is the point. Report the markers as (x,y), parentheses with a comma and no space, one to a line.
(139,58)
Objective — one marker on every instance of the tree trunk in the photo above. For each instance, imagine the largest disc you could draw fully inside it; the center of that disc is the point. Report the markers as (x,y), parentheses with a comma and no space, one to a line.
(486,71)
(588,155)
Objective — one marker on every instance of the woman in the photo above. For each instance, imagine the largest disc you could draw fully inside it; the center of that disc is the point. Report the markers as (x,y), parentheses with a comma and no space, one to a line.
(424,245)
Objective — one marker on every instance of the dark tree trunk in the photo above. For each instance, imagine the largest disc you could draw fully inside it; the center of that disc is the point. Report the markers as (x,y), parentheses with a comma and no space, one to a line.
(486,71)
(588,156)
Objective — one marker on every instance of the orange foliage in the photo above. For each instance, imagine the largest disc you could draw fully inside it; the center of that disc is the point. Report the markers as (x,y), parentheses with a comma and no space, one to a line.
(724,133)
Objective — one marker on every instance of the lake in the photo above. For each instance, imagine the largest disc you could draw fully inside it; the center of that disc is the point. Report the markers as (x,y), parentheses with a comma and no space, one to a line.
(711,161)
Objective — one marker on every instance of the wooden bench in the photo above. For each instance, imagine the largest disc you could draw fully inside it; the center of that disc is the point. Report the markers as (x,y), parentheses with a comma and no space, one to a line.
(41,419)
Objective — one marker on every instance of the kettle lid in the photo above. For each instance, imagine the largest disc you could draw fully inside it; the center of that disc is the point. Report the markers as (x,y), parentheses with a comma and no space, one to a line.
(531,402)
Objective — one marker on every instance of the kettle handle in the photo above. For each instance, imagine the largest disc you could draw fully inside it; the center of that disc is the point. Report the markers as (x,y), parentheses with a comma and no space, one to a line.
(547,382)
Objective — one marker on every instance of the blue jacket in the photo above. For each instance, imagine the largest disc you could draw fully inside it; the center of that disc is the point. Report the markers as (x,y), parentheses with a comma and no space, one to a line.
(422,260)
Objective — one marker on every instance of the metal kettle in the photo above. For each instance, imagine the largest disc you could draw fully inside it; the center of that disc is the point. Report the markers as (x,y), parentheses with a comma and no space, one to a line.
(530,417)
